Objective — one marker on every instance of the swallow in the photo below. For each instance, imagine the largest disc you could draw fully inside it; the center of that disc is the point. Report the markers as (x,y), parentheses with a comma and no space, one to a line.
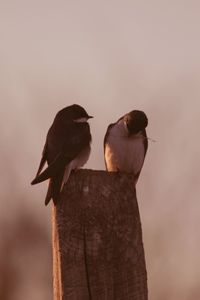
(67,148)
(126,143)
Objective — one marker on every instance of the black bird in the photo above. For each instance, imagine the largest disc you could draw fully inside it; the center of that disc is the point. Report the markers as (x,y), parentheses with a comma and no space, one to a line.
(125,144)
(67,148)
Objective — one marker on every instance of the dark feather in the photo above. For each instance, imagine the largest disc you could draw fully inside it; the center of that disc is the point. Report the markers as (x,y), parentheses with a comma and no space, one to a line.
(49,192)
(43,159)
(105,139)
(65,140)
(52,170)
(54,188)
(145,143)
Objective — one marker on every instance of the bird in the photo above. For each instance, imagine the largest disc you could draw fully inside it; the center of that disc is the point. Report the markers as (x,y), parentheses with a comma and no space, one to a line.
(126,143)
(67,148)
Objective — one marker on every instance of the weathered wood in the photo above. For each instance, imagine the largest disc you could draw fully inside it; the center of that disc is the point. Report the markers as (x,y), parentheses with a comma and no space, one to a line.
(97,239)
(57,287)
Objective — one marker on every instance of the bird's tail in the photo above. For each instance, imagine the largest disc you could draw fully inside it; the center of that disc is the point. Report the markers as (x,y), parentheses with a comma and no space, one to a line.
(49,193)
(54,189)
(52,170)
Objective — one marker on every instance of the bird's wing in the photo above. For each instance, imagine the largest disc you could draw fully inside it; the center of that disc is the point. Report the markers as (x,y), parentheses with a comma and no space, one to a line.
(145,142)
(76,139)
(107,134)
(52,170)
(105,139)
(43,159)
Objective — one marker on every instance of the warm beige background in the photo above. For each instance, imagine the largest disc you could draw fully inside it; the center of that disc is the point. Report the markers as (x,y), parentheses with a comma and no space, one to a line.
(111,57)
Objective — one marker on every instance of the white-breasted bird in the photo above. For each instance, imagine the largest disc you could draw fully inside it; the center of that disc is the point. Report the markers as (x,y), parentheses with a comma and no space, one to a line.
(67,148)
(126,143)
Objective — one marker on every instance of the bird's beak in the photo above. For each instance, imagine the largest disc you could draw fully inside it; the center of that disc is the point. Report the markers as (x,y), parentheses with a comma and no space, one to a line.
(90,117)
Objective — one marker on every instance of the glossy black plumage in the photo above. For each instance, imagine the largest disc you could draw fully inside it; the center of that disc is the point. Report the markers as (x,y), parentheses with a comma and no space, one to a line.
(68,138)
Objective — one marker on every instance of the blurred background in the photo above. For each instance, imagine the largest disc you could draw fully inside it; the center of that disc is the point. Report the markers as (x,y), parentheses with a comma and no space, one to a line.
(111,57)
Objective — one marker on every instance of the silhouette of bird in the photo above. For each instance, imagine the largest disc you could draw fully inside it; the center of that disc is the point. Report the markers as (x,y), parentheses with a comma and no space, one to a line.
(67,148)
(125,144)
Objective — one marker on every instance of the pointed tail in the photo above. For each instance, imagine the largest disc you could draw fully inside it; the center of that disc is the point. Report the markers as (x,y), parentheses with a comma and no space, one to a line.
(54,189)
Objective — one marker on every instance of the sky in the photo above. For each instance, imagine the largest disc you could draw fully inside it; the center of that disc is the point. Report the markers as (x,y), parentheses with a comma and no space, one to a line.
(110,57)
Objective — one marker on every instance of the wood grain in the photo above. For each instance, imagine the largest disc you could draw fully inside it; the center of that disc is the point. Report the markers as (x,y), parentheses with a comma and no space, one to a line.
(97,239)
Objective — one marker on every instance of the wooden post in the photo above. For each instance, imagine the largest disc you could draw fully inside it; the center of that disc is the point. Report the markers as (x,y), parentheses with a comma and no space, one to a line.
(97,239)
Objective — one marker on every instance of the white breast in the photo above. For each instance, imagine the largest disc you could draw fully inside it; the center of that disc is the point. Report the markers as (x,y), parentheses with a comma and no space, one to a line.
(77,163)
(81,159)
(122,152)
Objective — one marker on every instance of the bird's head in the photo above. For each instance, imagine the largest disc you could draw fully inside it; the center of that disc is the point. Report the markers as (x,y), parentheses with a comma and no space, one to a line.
(74,113)
(135,121)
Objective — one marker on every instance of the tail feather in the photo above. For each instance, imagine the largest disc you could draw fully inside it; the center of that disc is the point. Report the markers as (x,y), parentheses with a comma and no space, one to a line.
(49,193)
(42,163)
(54,189)
(46,174)
(50,171)
(43,159)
